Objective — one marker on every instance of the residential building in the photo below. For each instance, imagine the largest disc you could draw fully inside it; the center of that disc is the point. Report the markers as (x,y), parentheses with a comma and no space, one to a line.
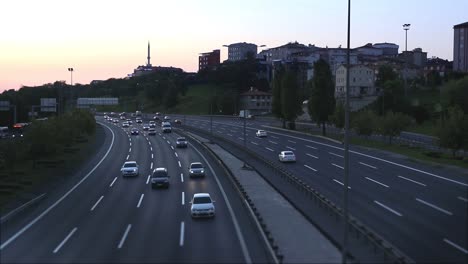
(239,51)
(209,59)
(361,81)
(256,101)
(337,57)
(415,57)
(285,53)
(460,47)
(388,49)
(369,50)
(443,67)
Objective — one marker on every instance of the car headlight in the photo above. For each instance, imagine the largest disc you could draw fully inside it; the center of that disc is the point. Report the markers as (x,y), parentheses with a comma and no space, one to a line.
(202,171)
(191,171)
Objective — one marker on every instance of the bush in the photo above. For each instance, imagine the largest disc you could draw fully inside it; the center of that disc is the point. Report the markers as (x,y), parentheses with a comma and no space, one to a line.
(364,123)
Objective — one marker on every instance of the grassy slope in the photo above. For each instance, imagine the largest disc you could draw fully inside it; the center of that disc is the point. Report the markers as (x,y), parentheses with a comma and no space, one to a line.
(196,100)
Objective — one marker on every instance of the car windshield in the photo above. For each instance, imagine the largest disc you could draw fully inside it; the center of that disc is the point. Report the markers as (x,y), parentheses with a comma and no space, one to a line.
(181,139)
(196,166)
(288,153)
(129,165)
(201,200)
(167,126)
(160,174)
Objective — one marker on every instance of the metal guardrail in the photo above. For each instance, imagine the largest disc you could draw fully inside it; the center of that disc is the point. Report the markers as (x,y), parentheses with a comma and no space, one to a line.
(380,246)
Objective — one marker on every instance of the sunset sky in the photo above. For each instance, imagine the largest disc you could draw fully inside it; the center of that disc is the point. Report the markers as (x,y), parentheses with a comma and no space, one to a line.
(101,39)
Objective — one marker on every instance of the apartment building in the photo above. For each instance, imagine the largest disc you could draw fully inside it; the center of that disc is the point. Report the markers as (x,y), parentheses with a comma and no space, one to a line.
(209,59)
(460,47)
(361,81)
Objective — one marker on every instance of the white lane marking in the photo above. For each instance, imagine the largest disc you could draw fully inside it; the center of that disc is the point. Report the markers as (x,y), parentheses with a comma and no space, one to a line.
(98,201)
(128,156)
(182,230)
(338,166)
(163,137)
(180,165)
(275,137)
(229,135)
(17,234)
(310,168)
(141,199)
(122,240)
(255,143)
(219,131)
(310,155)
(177,155)
(434,206)
(334,154)
(151,167)
(422,184)
(65,240)
(377,182)
(149,142)
(148,179)
(272,142)
(370,166)
(311,147)
(379,159)
(342,184)
(152,155)
(151,148)
(172,147)
(112,183)
(288,147)
(182,177)
(183,198)
(294,142)
(463,199)
(130,150)
(455,246)
(388,208)
(244,248)
(269,149)
(240,138)
(130,144)
(168,142)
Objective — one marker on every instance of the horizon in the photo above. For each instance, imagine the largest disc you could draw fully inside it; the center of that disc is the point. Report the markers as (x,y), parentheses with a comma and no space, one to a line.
(108,39)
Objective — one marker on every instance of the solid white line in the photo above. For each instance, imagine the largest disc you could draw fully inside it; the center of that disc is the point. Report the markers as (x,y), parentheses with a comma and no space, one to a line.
(388,208)
(434,206)
(244,248)
(338,166)
(128,156)
(269,149)
(292,141)
(65,240)
(147,180)
(5,217)
(370,166)
(455,246)
(17,234)
(180,165)
(172,147)
(310,155)
(151,167)
(182,230)
(177,155)
(422,184)
(334,154)
(310,168)
(377,182)
(141,199)
(183,198)
(182,177)
(98,201)
(463,199)
(288,147)
(112,183)
(254,143)
(342,184)
(272,142)
(311,147)
(124,236)
(152,155)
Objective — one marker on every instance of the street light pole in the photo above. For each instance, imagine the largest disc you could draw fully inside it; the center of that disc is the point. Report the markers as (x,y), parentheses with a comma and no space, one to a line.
(71,76)
(346,143)
(406,27)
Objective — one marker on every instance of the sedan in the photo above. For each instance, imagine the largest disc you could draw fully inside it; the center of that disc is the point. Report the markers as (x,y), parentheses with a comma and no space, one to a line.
(125,124)
(181,142)
(196,169)
(129,168)
(135,132)
(261,133)
(152,132)
(177,121)
(146,127)
(202,205)
(287,156)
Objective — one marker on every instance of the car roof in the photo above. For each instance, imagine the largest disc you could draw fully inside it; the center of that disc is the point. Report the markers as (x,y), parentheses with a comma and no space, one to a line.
(287,152)
(181,138)
(201,195)
(160,169)
(193,163)
(130,162)
(261,130)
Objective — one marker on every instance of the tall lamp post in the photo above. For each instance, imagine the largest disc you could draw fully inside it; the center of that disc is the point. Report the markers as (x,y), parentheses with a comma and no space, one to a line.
(406,27)
(71,76)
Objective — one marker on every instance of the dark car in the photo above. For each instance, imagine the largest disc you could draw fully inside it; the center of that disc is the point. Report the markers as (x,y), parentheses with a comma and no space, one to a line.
(135,132)
(177,121)
(160,178)
(181,142)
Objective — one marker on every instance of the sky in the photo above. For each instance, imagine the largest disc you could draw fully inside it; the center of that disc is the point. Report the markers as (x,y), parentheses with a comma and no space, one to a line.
(102,39)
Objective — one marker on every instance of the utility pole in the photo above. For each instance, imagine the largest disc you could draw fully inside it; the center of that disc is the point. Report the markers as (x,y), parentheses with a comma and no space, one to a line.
(406,27)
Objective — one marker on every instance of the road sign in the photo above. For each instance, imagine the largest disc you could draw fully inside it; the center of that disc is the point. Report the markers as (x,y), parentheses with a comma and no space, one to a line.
(87,102)
(48,105)
(4,106)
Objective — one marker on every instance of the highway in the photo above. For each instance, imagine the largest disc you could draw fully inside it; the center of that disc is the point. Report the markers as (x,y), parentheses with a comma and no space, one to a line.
(100,217)
(421,209)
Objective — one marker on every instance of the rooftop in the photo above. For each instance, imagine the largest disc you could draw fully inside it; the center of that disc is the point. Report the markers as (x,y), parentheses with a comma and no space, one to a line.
(462,25)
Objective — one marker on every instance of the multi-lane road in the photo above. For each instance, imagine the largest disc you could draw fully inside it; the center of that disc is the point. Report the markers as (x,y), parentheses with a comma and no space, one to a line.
(419,208)
(99,216)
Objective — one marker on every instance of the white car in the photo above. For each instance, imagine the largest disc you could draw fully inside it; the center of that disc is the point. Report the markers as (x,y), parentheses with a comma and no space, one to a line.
(125,124)
(129,168)
(261,133)
(202,205)
(287,156)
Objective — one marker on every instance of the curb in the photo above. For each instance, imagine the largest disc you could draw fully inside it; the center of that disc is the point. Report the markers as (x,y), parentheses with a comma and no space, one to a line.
(21,208)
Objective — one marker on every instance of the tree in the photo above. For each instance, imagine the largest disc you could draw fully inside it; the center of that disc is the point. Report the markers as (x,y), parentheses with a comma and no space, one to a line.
(386,73)
(455,93)
(338,117)
(290,101)
(364,123)
(322,99)
(433,79)
(453,131)
(276,101)
(392,124)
